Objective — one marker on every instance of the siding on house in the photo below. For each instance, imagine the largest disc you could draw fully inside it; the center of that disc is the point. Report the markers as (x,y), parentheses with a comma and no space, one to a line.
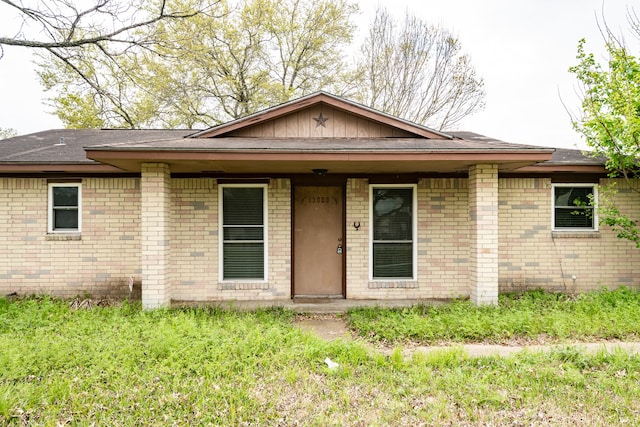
(337,124)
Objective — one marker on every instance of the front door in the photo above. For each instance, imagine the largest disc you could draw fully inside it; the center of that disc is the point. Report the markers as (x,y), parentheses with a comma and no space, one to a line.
(318,242)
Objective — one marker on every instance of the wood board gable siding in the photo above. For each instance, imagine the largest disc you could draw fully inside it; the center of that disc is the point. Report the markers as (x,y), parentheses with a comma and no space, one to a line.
(338,124)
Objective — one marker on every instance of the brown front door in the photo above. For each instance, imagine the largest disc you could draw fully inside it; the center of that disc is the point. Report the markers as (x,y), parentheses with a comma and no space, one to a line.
(318,242)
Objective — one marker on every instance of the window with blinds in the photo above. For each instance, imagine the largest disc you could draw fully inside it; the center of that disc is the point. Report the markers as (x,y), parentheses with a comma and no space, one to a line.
(64,207)
(243,233)
(392,212)
(572,207)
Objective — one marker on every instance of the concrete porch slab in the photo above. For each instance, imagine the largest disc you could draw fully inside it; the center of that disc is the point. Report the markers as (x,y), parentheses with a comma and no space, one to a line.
(310,305)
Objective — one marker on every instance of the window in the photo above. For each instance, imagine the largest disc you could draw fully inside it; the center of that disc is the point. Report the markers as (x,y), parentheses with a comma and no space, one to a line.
(572,208)
(393,232)
(65,207)
(243,215)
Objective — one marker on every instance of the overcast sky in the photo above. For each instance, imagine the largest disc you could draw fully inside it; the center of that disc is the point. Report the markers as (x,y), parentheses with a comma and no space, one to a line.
(522,49)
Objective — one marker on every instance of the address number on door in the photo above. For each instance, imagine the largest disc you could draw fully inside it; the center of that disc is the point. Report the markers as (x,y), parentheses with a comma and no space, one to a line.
(319,199)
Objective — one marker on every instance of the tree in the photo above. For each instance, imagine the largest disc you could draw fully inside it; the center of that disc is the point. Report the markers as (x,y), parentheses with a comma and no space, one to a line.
(246,55)
(7,133)
(610,120)
(109,29)
(310,38)
(205,70)
(64,25)
(417,71)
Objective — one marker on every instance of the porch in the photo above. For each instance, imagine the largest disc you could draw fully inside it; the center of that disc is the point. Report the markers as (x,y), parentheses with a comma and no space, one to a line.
(308,305)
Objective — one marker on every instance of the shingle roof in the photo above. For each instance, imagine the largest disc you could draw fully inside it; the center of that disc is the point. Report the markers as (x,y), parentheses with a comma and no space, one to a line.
(563,156)
(71,149)
(46,147)
(320,144)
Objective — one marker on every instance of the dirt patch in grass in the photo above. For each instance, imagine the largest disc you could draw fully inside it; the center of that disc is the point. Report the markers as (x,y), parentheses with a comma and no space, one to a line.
(326,326)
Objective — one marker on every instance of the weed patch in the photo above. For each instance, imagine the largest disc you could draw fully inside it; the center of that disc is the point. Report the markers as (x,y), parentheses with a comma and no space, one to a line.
(120,365)
(534,316)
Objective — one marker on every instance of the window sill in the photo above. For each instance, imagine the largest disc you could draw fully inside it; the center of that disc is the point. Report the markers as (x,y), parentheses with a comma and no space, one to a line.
(63,236)
(393,284)
(575,234)
(242,286)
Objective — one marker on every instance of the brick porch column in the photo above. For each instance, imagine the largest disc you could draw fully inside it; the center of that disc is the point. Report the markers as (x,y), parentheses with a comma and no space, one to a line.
(156,211)
(483,233)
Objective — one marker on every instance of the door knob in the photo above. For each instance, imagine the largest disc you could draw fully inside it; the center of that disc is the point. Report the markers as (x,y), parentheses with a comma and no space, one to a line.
(339,250)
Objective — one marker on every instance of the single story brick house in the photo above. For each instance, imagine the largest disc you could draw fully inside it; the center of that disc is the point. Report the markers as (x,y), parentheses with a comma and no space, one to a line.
(318,197)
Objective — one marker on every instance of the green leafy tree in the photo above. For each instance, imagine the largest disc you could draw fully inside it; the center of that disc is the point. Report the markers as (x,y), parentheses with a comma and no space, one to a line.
(7,133)
(610,123)
(239,58)
(78,40)
(243,56)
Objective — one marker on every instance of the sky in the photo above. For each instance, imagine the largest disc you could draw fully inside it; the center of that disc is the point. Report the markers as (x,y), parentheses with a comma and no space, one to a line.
(521,48)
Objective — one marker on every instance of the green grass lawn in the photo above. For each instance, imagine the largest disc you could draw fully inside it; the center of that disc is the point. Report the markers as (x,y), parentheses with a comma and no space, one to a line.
(124,366)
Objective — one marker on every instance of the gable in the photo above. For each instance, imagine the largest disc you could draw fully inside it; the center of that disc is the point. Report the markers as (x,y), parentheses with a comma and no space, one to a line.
(321,121)
(301,118)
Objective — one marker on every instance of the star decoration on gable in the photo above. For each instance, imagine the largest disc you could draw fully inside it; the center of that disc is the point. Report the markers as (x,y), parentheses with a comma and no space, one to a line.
(321,121)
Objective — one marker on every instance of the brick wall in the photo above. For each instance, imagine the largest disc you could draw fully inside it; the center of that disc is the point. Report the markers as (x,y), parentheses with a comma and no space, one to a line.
(98,262)
(357,241)
(155,185)
(443,248)
(279,240)
(443,240)
(532,256)
(195,244)
(194,238)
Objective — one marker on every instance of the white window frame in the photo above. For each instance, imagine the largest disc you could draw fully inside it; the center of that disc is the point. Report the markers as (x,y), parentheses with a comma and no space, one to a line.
(414,231)
(265,203)
(50,208)
(594,188)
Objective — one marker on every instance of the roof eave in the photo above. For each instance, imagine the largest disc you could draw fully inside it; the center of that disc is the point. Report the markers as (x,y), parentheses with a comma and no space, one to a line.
(155,153)
(261,161)
(39,167)
(555,167)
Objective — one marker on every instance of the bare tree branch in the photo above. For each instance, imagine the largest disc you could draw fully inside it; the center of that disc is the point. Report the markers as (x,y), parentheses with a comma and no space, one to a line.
(73,30)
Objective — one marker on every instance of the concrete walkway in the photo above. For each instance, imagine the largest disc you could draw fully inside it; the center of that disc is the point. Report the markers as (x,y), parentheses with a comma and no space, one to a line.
(330,327)
(324,322)
(484,350)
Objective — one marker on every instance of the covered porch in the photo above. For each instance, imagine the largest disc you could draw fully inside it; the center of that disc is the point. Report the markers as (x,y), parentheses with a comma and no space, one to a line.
(321,142)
